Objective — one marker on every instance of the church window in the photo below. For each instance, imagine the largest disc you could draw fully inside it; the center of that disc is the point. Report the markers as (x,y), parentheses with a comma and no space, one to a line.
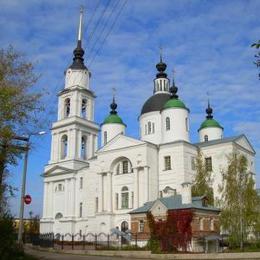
(145,130)
(124,198)
(206,138)
(58,216)
(132,198)
(167,122)
(153,128)
(208,162)
(105,137)
(186,124)
(80,233)
(64,146)
(149,128)
(96,204)
(84,108)
(67,107)
(80,209)
(83,150)
(141,225)
(117,205)
(125,167)
(81,183)
(193,163)
(167,163)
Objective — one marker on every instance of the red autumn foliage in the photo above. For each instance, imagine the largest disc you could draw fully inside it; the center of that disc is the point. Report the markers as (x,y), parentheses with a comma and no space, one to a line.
(175,232)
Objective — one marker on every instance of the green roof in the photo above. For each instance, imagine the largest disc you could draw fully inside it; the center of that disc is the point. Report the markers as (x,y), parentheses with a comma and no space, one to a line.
(113,119)
(174,103)
(210,123)
(175,202)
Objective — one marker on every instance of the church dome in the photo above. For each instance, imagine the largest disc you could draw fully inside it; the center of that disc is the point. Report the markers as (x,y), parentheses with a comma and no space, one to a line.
(113,119)
(174,103)
(155,102)
(210,123)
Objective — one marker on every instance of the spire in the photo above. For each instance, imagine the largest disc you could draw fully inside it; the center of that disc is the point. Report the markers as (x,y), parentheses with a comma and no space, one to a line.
(78,60)
(209,111)
(174,88)
(113,105)
(161,67)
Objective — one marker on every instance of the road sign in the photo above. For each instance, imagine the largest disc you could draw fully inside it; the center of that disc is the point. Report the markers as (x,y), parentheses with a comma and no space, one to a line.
(27,199)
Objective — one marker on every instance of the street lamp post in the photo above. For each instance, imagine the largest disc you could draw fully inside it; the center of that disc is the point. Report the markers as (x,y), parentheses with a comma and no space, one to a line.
(27,147)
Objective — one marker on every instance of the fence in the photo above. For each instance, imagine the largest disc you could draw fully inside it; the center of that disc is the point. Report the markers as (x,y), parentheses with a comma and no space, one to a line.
(88,241)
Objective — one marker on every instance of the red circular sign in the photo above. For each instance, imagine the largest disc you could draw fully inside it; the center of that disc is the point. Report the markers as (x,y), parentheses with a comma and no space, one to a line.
(27,199)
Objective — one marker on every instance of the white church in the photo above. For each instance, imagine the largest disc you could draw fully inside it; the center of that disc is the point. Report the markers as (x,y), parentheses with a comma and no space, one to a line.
(92,188)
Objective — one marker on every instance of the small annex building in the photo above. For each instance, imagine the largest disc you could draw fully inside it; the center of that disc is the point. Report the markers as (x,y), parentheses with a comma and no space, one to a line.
(205,229)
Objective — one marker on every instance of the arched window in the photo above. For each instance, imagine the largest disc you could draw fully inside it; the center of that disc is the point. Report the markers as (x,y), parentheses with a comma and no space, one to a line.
(84,108)
(124,198)
(187,124)
(149,128)
(167,123)
(206,138)
(83,150)
(118,169)
(67,107)
(124,166)
(153,128)
(64,146)
(105,137)
(80,209)
(58,216)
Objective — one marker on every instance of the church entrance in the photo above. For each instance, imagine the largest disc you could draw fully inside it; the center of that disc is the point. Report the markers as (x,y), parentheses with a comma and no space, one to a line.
(124,228)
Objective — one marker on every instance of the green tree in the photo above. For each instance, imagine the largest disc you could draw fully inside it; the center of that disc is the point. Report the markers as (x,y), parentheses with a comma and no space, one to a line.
(257,56)
(20,107)
(239,201)
(202,182)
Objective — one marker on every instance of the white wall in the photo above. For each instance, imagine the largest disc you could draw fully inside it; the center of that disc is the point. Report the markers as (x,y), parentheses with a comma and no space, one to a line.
(213,133)
(77,78)
(112,131)
(178,130)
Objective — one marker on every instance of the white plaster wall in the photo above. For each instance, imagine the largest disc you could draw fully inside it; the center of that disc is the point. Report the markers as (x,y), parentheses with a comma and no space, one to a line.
(153,117)
(178,130)
(77,78)
(112,131)
(213,133)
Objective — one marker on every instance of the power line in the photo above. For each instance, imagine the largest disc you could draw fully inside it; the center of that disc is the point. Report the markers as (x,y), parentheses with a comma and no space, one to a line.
(109,31)
(99,21)
(92,16)
(104,27)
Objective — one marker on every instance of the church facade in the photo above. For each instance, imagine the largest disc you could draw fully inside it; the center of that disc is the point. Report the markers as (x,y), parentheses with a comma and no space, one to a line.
(91,188)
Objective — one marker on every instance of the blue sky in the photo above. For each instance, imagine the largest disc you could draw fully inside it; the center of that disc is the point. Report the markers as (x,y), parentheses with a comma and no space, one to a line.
(207,43)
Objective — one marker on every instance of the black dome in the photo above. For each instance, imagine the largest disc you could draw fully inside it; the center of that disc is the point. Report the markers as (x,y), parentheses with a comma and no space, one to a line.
(155,102)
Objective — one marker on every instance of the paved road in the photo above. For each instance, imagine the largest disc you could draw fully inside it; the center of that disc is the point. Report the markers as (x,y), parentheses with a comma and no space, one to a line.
(57,256)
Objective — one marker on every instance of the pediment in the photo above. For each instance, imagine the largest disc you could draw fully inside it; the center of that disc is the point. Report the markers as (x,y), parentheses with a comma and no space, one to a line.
(57,170)
(158,209)
(120,141)
(244,142)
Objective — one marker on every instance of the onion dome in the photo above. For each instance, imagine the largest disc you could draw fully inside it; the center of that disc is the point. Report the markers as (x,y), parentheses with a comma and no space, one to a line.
(161,67)
(210,121)
(174,101)
(113,118)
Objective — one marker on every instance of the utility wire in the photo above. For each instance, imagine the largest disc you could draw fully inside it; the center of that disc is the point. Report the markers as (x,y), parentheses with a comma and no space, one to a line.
(92,16)
(109,31)
(100,36)
(98,22)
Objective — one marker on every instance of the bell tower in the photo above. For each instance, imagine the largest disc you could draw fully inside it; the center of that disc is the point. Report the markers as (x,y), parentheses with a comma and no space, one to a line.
(74,135)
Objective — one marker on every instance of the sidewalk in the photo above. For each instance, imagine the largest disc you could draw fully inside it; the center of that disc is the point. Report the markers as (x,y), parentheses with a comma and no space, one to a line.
(106,254)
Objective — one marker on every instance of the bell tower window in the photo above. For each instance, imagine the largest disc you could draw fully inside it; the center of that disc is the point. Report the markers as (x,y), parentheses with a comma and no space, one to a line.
(149,128)
(206,138)
(67,107)
(64,146)
(84,108)
(83,152)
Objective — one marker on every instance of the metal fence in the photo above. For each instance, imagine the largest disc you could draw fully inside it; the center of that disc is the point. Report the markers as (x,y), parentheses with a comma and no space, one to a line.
(88,241)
